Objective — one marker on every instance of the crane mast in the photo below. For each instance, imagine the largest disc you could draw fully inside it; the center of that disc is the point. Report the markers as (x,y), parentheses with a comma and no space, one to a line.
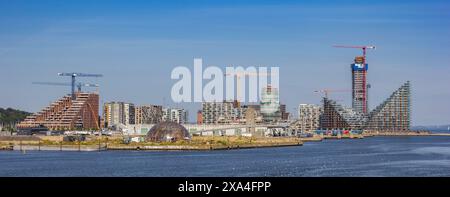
(73,77)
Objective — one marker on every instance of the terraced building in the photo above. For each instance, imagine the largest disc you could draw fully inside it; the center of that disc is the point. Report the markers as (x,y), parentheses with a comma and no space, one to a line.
(67,114)
(336,116)
(394,113)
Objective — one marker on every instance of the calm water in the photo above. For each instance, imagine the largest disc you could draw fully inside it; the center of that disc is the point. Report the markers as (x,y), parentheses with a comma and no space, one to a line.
(376,156)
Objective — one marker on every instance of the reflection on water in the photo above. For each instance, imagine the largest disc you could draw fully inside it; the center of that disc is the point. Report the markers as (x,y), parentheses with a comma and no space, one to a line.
(432,150)
(376,156)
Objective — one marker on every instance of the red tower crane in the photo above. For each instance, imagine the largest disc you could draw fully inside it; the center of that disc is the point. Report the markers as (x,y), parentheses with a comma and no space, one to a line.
(359,77)
(364,48)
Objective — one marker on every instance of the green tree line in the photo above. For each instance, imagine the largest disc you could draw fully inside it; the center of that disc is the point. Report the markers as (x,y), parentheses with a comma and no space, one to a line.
(10,116)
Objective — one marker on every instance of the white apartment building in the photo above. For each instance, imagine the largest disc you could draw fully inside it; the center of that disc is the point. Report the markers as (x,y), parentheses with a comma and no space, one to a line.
(177,115)
(309,117)
(222,113)
(115,113)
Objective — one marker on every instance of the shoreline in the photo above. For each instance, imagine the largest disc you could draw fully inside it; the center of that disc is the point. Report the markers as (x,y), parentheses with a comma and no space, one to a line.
(87,148)
(32,145)
(408,134)
(107,144)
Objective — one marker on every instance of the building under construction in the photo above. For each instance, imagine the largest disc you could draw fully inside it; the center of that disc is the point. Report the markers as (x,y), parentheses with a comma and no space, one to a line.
(359,85)
(391,115)
(79,112)
(336,116)
(359,80)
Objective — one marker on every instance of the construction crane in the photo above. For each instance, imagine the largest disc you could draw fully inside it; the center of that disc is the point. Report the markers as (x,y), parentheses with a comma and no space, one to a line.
(364,48)
(73,76)
(360,86)
(327,91)
(78,85)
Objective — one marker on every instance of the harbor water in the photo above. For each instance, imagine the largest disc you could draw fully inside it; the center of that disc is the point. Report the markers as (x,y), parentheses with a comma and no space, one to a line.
(372,156)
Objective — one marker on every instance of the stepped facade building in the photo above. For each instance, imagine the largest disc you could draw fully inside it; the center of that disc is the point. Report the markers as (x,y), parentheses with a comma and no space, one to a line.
(393,115)
(336,116)
(67,114)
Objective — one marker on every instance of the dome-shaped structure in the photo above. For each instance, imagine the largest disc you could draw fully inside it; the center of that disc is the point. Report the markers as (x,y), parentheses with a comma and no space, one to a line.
(167,132)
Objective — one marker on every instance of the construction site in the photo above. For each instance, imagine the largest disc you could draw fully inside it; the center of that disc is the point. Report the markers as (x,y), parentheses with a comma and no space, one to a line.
(392,115)
(67,114)
(78,110)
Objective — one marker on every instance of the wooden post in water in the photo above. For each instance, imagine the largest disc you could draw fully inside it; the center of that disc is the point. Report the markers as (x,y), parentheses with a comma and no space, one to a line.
(79,143)
(39,145)
(60,146)
(20,145)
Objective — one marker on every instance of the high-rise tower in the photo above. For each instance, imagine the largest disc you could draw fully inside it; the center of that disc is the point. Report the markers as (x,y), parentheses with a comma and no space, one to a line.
(359,80)
(359,85)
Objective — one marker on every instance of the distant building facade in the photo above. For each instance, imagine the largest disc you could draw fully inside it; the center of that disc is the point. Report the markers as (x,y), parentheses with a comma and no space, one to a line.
(177,115)
(394,113)
(309,117)
(219,112)
(284,113)
(199,117)
(148,114)
(129,113)
(227,112)
(270,104)
(115,113)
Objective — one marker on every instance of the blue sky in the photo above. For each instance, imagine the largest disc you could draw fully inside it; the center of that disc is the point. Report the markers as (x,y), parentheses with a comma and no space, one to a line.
(136,44)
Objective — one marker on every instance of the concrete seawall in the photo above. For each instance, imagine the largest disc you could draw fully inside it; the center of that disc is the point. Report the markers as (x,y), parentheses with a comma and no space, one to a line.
(206,147)
(408,134)
(346,136)
(90,148)
(56,148)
